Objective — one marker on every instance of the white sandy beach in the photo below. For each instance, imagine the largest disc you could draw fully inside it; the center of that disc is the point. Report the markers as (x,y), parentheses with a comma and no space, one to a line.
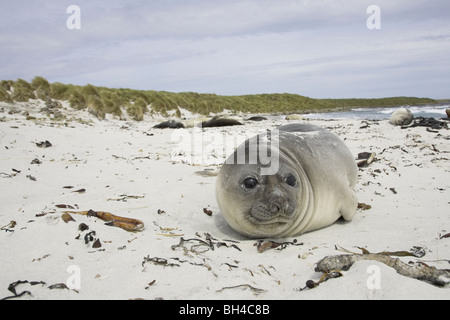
(133,170)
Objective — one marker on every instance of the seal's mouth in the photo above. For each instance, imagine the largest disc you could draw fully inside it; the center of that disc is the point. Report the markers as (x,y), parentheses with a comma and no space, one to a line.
(277,221)
(264,228)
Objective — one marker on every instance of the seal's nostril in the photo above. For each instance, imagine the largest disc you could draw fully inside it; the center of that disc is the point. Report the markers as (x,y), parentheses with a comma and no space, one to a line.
(275,207)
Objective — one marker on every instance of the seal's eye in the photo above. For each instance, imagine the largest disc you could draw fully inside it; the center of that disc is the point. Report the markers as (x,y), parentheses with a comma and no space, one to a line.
(290,180)
(250,183)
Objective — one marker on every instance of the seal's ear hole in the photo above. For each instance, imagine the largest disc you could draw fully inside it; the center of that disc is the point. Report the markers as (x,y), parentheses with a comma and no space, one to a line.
(250,183)
(290,180)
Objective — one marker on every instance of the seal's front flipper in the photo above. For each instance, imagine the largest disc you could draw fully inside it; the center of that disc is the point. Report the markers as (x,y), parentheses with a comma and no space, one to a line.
(348,209)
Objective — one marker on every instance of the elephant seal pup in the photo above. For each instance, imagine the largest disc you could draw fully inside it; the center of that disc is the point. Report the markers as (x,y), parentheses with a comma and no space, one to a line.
(172,124)
(312,186)
(221,121)
(257,118)
(401,117)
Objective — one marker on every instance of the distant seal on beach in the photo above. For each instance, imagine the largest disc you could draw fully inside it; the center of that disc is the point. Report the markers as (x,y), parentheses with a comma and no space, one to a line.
(172,124)
(191,123)
(401,117)
(257,118)
(312,186)
(295,117)
(219,121)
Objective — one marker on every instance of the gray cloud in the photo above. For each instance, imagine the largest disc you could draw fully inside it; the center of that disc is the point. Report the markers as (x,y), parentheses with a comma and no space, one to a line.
(318,48)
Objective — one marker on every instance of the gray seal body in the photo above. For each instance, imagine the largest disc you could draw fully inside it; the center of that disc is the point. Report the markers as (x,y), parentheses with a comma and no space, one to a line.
(312,186)
(401,117)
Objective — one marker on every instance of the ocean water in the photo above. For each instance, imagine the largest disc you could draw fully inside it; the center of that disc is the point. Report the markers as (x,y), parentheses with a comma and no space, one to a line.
(427,111)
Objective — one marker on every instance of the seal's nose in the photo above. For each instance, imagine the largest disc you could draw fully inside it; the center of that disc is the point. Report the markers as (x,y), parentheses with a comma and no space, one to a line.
(275,195)
(275,207)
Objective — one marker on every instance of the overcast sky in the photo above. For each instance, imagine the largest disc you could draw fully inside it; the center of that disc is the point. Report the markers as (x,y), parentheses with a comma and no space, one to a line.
(316,48)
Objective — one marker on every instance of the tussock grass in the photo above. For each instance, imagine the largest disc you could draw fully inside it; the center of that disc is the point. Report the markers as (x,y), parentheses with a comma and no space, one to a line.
(77,99)
(22,91)
(381,102)
(4,95)
(40,83)
(7,84)
(60,91)
(112,102)
(101,101)
(137,109)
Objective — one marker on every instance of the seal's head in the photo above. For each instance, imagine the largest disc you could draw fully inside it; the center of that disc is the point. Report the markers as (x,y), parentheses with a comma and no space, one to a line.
(260,205)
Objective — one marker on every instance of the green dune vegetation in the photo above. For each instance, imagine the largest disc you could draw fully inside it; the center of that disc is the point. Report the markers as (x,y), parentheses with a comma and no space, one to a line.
(101,101)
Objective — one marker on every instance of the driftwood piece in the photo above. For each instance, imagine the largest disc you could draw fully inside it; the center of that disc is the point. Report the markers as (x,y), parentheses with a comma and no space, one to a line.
(420,272)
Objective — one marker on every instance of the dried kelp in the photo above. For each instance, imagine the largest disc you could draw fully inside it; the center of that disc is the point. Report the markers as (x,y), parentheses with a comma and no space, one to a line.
(255,291)
(90,236)
(45,256)
(194,245)
(67,217)
(9,227)
(199,245)
(58,286)
(325,276)
(444,236)
(429,123)
(263,245)
(13,286)
(36,161)
(173,262)
(44,144)
(83,227)
(128,224)
(65,206)
(160,261)
(364,206)
(6,175)
(97,244)
(421,271)
(222,243)
(150,284)
(124,198)
(82,190)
